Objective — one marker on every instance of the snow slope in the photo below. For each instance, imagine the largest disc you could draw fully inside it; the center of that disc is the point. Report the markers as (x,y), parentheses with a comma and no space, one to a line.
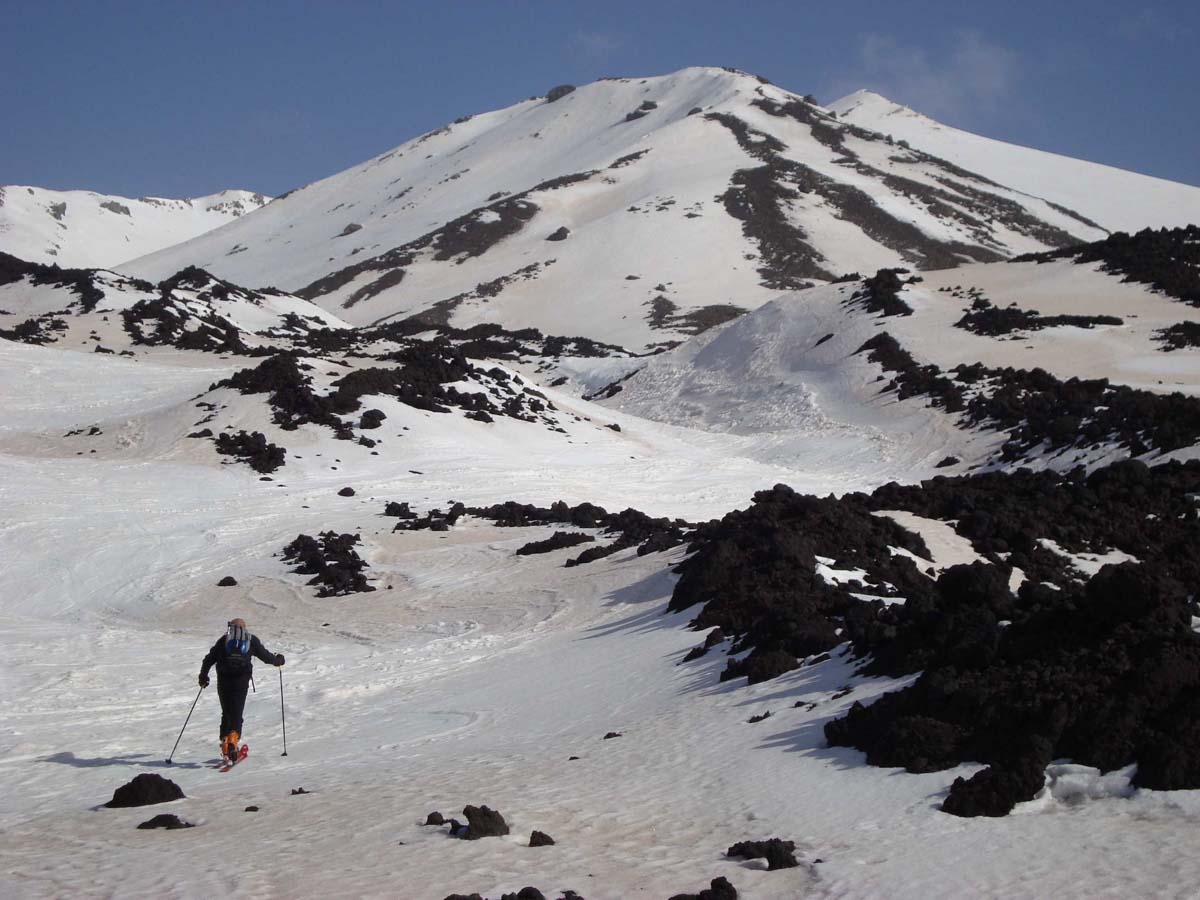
(469,676)
(83,229)
(701,192)
(1117,199)
(791,379)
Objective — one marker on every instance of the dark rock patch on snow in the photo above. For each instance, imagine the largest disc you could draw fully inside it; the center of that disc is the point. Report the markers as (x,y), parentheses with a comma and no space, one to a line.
(166,820)
(718,889)
(331,559)
(144,790)
(483,821)
(557,541)
(779,854)
(251,448)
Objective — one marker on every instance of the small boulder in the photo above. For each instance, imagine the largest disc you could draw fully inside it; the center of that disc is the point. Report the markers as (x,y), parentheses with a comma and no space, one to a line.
(718,889)
(346,492)
(560,234)
(779,854)
(540,839)
(166,820)
(435,818)
(613,734)
(371,418)
(483,821)
(298,790)
(227,581)
(145,790)
(251,809)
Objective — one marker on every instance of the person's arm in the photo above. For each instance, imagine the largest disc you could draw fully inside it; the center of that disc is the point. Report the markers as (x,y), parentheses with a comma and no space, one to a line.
(210,660)
(257,648)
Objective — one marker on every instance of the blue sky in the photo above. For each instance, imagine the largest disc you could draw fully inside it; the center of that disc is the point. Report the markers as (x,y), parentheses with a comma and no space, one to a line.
(179,99)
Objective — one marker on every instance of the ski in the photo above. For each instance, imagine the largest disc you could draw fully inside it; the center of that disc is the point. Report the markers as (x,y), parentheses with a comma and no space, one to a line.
(243,752)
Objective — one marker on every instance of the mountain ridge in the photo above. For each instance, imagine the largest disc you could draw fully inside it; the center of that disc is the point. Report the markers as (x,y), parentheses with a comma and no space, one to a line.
(713,186)
(86,229)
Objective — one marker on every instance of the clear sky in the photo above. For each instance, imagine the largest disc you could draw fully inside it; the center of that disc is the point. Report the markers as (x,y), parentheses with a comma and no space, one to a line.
(186,98)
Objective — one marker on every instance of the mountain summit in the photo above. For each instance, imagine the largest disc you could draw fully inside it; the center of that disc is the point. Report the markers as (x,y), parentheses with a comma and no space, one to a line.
(631,210)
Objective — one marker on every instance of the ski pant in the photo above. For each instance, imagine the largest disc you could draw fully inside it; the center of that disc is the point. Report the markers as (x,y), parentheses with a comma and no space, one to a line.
(232,691)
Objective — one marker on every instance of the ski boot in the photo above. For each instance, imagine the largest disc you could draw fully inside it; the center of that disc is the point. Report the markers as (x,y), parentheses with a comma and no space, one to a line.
(229,747)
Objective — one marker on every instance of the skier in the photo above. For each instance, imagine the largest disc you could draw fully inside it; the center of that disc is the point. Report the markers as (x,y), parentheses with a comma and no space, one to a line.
(231,655)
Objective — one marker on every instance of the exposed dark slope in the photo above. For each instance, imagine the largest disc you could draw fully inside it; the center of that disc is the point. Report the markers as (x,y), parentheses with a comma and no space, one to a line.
(1042,413)
(1103,670)
(82,282)
(1167,259)
(471,234)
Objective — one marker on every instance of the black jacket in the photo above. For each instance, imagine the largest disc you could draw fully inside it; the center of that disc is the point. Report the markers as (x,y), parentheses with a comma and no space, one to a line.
(218,657)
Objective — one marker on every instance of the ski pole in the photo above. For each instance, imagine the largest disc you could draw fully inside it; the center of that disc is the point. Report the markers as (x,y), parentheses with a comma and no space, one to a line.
(282,714)
(185,725)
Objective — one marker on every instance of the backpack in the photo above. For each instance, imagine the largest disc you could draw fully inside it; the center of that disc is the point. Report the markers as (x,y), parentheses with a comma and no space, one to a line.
(237,649)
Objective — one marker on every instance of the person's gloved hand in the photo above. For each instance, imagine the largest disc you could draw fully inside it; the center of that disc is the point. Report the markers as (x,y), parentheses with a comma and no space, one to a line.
(203,681)
(279,659)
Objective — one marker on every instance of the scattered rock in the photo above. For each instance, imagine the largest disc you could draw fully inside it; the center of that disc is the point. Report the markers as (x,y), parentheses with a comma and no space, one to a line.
(166,820)
(371,418)
(559,234)
(227,581)
(719,889)
(483,821)
(761,718)
(779,854)
(251,809)
(346,492)
(299,790)
(144,790)
(540,839)
(613,734)
(435,818)
(557,541)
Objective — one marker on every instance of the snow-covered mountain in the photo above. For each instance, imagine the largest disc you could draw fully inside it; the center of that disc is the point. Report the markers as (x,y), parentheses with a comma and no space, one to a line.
(1115,198)
(882,586)
(83,229)
(636,210)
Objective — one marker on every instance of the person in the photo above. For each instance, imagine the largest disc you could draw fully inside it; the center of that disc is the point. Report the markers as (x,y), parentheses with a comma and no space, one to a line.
(231,655)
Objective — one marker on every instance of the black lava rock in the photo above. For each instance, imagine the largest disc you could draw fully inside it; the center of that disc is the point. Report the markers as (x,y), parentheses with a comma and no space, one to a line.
(166,820)
(483,821)
(145,790)
(557,541)
(779,854)
(371,418)
(719,889)
(525,893)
